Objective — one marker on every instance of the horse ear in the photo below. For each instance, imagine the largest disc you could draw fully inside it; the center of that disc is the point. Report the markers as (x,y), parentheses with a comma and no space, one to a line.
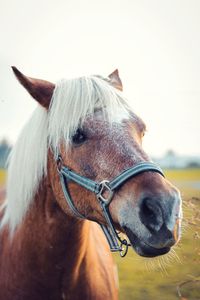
(115,80)
(40,90)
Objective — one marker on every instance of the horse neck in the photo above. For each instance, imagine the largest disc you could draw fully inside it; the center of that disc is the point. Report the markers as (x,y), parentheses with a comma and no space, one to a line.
(55,242)
(51,255)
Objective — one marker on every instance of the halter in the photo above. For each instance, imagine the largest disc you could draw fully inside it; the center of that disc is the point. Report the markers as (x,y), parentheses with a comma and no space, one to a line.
(104,192)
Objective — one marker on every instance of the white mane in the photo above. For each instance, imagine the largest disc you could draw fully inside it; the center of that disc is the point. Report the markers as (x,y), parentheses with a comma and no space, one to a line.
(71,102)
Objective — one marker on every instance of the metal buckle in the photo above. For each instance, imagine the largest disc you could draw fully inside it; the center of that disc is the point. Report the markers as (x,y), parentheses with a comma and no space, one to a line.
(104,187)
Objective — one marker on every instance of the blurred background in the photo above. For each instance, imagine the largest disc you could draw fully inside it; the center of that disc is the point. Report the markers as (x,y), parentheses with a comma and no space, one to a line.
(155,45)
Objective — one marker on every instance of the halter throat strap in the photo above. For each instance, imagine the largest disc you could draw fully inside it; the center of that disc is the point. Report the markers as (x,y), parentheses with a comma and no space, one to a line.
(104,191)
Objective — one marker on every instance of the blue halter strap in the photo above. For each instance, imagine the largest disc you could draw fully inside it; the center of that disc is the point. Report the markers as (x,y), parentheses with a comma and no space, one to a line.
(104,192)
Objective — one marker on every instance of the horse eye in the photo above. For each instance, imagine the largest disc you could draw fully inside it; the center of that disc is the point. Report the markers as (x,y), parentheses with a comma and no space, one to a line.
(79,137)
(143,133)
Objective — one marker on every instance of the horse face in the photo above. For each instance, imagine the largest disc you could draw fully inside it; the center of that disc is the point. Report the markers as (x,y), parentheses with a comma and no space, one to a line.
(147,207)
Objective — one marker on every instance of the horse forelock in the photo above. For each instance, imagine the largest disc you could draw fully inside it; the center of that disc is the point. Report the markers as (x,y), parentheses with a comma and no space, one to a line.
(72,101)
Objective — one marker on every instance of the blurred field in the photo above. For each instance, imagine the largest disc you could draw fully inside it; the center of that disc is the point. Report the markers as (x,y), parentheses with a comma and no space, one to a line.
(2,177)
(2,184)
(158,279)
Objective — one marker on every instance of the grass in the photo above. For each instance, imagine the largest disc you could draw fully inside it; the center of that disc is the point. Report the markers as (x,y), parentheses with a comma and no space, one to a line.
(158,279)
(2,177)
(186,174)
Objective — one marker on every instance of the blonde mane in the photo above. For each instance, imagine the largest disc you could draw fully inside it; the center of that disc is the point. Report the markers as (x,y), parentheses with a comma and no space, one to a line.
(71,102)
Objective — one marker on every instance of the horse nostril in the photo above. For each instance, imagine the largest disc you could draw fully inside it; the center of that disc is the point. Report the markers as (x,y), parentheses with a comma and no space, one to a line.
(151,214)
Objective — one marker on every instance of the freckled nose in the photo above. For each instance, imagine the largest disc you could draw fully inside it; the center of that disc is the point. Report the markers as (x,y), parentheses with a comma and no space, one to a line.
(161,216)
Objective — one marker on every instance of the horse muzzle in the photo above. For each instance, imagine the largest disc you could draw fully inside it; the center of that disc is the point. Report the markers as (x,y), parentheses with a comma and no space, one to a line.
(155,225)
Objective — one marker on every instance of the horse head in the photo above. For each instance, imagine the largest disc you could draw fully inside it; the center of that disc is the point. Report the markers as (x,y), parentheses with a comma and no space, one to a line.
(100,139)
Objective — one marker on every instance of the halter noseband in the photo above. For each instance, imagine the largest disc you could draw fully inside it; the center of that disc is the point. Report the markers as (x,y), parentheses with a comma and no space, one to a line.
(104,192)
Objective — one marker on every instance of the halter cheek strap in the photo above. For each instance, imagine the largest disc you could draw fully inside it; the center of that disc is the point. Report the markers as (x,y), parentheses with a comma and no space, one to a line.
(104,192)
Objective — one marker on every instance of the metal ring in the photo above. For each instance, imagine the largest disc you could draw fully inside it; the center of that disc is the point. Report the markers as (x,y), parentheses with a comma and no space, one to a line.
(124,251)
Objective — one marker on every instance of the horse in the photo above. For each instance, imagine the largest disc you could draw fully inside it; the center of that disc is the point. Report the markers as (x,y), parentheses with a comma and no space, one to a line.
(77,164)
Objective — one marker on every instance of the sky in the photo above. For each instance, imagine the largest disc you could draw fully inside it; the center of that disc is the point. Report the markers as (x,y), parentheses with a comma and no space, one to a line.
(154,44)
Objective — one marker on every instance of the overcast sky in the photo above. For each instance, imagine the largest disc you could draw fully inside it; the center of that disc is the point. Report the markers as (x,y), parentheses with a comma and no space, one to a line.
(155,44)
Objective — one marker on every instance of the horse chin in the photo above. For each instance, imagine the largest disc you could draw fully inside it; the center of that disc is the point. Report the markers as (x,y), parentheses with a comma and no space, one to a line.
(142,248)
